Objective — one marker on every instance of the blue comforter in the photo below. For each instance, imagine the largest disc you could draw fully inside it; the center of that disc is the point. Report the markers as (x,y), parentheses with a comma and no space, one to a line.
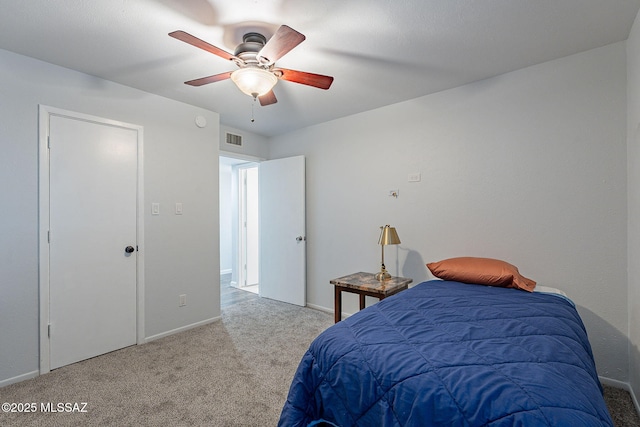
(451,354)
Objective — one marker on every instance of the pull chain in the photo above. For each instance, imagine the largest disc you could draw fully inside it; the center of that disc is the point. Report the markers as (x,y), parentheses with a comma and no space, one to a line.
(253,104)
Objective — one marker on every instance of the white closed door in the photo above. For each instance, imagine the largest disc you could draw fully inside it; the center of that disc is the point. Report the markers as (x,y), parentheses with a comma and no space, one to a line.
(92,248)
(282,230)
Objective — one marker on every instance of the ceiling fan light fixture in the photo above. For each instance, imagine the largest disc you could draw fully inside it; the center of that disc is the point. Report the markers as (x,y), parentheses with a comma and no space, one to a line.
(254,81)
(256,58)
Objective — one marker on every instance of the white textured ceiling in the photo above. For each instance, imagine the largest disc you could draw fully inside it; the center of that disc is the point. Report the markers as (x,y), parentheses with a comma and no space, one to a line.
(379,51)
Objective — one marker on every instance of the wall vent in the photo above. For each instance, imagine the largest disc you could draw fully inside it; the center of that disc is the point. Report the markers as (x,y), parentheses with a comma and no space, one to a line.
(234,139)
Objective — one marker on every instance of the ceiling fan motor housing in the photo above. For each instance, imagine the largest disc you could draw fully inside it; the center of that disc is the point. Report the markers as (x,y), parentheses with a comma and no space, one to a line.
(251,44)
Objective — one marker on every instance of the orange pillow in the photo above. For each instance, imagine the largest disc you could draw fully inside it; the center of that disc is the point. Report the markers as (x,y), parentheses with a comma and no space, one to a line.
(483,271)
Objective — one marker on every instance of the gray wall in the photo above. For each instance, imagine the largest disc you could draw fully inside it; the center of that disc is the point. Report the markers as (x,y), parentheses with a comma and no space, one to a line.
(253,145)
(227,211)
(180,165)
(529,167)
(633,149)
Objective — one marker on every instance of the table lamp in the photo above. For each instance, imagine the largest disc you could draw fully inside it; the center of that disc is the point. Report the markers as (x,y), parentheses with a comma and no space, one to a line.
(388,236)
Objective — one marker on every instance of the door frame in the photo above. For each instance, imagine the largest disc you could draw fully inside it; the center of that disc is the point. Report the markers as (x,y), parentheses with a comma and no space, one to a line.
(44,114)
(243,238)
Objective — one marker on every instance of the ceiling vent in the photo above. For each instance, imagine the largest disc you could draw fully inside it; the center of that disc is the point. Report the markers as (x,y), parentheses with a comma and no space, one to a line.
(234,139)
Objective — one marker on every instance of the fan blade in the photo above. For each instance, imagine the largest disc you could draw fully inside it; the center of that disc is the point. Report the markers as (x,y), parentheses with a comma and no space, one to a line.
(285,39)
(268,98)
(309,79)
(210,79)
(194,41)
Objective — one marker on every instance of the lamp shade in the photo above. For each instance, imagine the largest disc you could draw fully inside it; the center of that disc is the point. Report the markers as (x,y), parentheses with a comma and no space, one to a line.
(389,236)
(254,81)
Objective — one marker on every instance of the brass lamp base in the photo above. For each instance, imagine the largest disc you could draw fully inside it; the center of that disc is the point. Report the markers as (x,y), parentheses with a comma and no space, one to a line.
(383,275)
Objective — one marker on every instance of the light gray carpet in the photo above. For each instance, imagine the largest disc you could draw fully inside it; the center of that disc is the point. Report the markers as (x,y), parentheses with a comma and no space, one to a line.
(621,407)
(235,372)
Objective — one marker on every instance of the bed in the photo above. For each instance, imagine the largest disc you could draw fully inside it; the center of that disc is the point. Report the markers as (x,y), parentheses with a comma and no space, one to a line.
(446,353)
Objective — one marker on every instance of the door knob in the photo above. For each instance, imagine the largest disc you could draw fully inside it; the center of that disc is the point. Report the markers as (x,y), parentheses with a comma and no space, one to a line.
(300,239)
(129,249)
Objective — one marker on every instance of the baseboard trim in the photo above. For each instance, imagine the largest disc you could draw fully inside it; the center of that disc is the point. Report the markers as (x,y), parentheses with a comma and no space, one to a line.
(614,383)
(320,308)
(328,310)
(19,378)
(624,386)
(181,329)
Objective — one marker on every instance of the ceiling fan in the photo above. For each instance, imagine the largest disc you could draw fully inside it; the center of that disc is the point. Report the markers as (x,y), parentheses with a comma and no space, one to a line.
(256,57)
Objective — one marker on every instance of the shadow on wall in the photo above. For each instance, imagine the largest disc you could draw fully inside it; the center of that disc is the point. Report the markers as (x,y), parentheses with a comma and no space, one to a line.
(414,266)
(613,360)
(610,346)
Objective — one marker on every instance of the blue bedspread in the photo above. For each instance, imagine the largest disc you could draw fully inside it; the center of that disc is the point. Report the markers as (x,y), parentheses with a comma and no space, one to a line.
(451,354)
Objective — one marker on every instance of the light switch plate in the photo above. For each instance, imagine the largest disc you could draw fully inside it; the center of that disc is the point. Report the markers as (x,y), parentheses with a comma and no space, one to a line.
(155,208)
(178,208)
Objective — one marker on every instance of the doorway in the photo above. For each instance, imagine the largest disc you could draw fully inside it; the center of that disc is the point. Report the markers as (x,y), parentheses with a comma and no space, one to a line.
(239,227)
(276,253)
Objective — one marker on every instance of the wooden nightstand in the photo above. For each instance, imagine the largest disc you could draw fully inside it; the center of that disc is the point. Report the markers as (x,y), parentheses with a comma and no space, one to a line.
(365,284)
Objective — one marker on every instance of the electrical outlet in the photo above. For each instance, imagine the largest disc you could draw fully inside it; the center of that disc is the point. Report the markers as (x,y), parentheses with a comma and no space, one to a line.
(183,300)
(415,177)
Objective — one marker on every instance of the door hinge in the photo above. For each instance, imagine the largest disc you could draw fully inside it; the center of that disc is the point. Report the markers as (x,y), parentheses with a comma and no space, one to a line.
(49,142)
(49,330)
(48,236)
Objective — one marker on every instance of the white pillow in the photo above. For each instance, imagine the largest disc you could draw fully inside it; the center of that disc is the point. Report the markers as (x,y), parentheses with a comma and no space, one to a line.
(549,290)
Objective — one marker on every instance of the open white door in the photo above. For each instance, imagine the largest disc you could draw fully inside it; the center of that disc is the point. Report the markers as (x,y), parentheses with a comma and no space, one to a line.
(282,230)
